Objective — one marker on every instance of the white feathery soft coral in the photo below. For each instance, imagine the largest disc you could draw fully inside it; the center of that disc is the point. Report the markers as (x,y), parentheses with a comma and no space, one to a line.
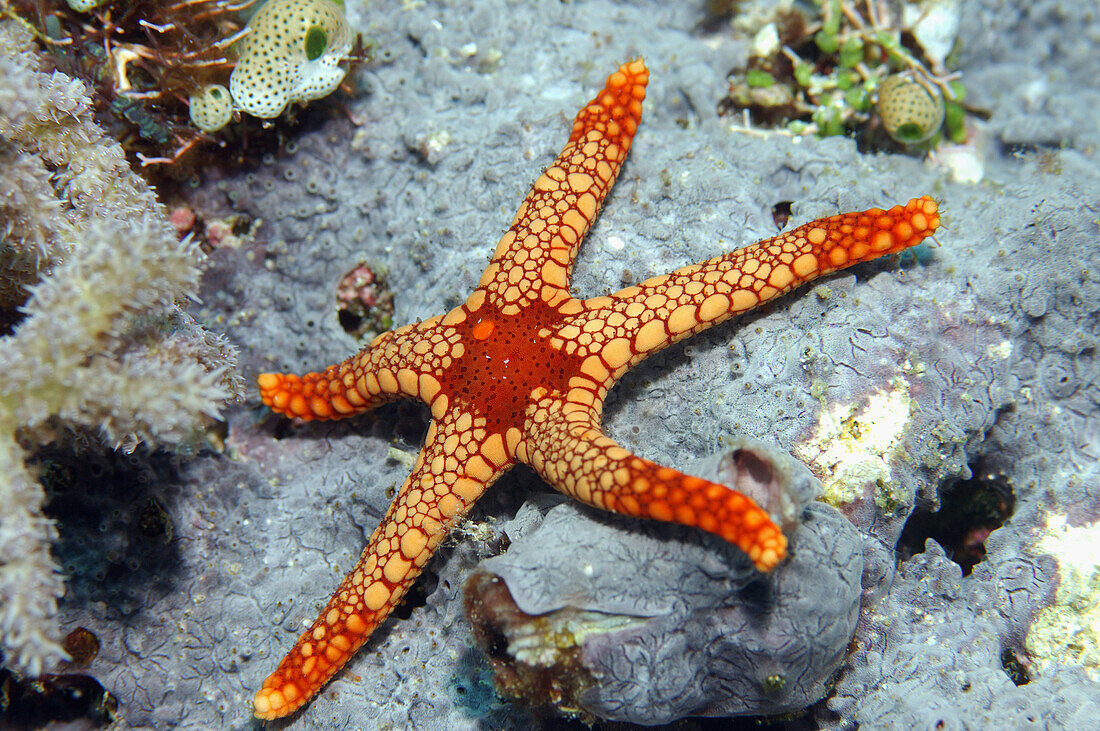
(88,278)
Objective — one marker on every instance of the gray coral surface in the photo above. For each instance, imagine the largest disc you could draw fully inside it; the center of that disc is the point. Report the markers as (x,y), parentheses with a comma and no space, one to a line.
(895,382)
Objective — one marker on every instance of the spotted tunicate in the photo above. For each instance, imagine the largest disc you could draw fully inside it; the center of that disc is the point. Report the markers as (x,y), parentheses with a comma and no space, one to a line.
(82,6)
(911,109)
(210,107)
(291,53)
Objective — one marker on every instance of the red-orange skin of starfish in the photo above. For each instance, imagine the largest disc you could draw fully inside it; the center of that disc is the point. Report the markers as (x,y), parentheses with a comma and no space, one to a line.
(519,372)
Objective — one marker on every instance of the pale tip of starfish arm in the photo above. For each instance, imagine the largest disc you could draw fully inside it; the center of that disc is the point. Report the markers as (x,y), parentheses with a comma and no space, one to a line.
(267,381)
(269,702)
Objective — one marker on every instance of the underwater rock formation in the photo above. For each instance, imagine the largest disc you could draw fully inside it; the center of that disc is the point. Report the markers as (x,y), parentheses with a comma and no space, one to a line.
(650,623)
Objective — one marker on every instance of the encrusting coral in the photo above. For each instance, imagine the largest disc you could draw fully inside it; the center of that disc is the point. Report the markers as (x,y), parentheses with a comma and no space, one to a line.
(91,337)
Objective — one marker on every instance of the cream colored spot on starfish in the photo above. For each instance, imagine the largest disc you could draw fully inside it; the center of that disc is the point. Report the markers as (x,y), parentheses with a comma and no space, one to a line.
(582,396)
(396,568)
(553,272)
(805,265)
(439,406)
(427,387)
(781,276)
(478,468)
(387,381)
(594,368)
(682,319)
(580,182)
(712,307)
(616,353)
(467,489)
(407,381)
(413,542)
(355,624)
(545,182)
(743,299)
(574,220)
(376,596)
(493,450)
(882,241)
(650,336)
(274,699)
(512,437)
(449,506)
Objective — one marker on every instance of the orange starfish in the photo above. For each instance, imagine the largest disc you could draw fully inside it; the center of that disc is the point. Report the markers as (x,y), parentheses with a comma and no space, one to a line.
(519,372)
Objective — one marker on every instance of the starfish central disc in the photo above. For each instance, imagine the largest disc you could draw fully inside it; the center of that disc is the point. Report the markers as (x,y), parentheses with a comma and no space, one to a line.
(504,359)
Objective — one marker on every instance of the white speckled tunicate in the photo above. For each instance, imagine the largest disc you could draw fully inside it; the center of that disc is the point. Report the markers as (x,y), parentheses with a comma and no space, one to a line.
(210,107)
(291,53)
(84,5)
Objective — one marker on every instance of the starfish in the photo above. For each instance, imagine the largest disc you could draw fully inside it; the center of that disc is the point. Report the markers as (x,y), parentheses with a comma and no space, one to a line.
(520,370)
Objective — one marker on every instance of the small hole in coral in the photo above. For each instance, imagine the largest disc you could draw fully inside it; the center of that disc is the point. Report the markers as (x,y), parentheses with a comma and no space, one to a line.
(969,511)
(1014,667)
(757,469)
(781,213)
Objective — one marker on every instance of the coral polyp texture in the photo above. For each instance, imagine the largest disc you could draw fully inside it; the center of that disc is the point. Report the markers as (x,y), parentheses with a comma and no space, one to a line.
(518,374)
(291,53)
(93,339)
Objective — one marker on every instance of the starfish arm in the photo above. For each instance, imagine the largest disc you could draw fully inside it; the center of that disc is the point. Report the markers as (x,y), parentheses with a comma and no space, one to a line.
(669,308)
(535,257)
(435,496)
(403,362)
(564,444)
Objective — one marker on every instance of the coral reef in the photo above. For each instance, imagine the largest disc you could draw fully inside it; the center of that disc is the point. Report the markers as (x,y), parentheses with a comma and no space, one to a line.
(976,359)
(928,660)
(93,337)
(140,61)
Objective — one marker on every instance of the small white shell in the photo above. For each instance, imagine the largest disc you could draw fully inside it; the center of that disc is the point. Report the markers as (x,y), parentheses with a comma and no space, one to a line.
(935,25)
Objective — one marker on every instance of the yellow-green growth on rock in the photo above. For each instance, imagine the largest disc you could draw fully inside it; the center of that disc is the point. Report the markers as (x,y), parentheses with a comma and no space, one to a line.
(911,109)
(291,54)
